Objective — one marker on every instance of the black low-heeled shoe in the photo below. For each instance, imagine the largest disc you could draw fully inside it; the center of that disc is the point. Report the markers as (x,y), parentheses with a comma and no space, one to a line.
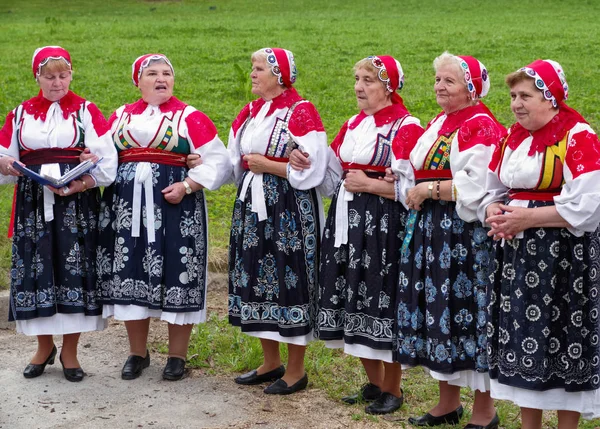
(451,418)
(134,365)
(174,369)
(385,404)
(368,392)
(33,370)
(251,378)
(71,374)
(280,387)
(493,424)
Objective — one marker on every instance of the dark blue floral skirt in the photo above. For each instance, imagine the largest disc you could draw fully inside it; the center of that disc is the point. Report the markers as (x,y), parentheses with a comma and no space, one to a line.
(441,300)
(168,274)
(53,268)
(273,263)
(359,279)
(544,327)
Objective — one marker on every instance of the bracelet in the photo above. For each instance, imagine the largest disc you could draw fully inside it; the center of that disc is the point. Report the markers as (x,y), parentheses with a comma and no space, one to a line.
(397,191)
(84,185)
(430,189)
(454,192)
(437,190)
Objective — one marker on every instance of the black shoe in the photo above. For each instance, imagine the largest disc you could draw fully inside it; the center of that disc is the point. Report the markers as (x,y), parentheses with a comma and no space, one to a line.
(451,418)
(494,424)
(252,377)
(134,365)
(385,404)
(174,369)
(33,370)
(71,374)
(368,392)
(280,387)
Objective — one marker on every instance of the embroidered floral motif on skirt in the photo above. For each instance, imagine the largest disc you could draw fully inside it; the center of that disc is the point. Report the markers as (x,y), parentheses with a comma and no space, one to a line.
(53,263)
(441,300)
(273,263)
(544,330)
(358,280)
(168,274)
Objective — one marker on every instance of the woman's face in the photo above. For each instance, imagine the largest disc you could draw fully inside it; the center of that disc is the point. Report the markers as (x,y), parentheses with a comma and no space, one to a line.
(264,82)
(450,90)
(156,83)
(371,95)
(55,85)
(529,106)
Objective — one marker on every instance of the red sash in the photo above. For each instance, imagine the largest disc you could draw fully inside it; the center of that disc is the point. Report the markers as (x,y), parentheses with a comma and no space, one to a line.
(158,156)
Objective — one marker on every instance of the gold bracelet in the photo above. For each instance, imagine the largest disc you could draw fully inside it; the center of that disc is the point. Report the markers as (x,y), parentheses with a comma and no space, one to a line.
(84,185)
(430,189)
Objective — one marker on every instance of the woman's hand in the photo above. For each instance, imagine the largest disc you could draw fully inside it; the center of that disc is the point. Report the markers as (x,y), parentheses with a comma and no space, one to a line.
(193,160)
(174,193)
(508,221)
(87,155)
(390,176)
(356,181)
(416,195)
(257,164)
(299,160)
(81,185)
(6,166)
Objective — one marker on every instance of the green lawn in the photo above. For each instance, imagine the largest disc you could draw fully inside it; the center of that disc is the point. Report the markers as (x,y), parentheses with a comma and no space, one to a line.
(210,42)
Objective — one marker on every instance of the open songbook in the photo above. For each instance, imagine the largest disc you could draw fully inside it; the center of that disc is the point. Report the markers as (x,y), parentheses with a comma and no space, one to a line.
(65,179)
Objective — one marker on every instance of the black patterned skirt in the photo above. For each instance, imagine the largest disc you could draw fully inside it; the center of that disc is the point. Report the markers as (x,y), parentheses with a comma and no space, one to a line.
(168,274)
(359,279)
(273,263)
(544,327)
(441,300)
(53,268)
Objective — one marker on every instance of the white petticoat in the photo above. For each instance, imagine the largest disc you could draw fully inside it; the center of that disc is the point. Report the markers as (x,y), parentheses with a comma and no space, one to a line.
(360,351)
(136,312)
(61,324)
(466,378)
(587,403)
(299,340)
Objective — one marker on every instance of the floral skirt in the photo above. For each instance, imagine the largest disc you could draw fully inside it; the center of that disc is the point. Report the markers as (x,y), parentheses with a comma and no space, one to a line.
(273,263)
(359,279)
(544,327)
(53,269)
(441,300)
(168,274)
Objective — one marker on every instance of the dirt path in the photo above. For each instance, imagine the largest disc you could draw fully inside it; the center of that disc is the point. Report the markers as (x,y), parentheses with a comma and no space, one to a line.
(103,400)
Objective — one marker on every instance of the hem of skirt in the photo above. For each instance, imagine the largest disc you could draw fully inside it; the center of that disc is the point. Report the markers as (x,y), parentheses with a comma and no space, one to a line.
(11,318)
(275,328)
(150,307)
(538,388)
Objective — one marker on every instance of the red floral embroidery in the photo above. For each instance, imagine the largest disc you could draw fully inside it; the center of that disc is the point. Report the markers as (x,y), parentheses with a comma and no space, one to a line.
(7,130)
(583,153)
(38,106)
(201,130)
(405,140)
(98,120)
(480,130)
(305,119)
(286,99)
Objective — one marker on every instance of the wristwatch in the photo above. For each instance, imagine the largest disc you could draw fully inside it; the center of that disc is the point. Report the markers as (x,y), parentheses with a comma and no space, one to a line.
(430,189)
(188,188)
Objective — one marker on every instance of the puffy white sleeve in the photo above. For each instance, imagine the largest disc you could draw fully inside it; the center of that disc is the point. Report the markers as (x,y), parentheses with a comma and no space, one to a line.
(333,174)
(404,142)
(472,149)
(8,143)
(306,129)
(579,199)
(233,144)
(98,140)
(216,169)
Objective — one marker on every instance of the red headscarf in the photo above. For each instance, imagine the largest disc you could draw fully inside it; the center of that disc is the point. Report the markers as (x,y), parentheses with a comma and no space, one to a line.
(42,55)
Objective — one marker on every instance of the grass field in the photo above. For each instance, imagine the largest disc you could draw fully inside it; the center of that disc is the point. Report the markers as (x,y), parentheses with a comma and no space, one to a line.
(209,44)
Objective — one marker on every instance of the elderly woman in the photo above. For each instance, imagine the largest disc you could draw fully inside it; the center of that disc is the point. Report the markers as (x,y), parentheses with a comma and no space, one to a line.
(53,277)
(544,326)
(360,254)
(275,230)
(443,280)
(152,256)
